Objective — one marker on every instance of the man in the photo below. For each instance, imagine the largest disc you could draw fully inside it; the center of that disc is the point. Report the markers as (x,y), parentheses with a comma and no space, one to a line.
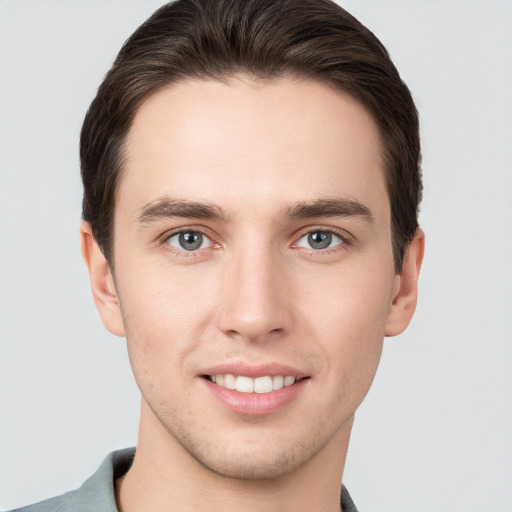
(251,187)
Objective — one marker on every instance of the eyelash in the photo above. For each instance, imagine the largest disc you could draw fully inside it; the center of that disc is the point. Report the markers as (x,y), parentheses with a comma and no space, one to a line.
(164,241)
(345,237)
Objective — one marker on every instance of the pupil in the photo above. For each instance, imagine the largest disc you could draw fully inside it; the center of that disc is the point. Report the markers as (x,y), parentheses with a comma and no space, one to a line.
(190,240)
(319,239)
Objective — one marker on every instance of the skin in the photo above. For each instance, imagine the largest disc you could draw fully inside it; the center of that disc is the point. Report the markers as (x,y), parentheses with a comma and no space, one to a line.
(255,292)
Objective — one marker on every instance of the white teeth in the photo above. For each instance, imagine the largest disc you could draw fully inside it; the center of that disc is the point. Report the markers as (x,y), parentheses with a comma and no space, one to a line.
(229,381)
(288,381)
(244,384)
(263,385)
(277,382)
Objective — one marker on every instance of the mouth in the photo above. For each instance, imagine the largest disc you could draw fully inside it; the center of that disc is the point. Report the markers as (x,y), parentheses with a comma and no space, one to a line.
(245,384)
(255,390)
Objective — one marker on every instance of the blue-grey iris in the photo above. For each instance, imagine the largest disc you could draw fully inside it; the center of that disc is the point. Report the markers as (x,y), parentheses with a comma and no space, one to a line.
(190,240)
(319,239)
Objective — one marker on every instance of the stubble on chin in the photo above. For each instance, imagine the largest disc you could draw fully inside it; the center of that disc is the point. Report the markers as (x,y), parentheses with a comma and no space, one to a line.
(251,457)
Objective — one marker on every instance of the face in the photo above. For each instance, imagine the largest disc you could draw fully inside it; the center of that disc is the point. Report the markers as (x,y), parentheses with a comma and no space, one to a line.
(252,251)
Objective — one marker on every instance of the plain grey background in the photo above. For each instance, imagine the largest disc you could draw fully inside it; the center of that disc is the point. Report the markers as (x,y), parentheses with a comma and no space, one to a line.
(435,432)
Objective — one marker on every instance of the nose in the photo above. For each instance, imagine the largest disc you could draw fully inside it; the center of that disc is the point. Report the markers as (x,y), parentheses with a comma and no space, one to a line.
(255,297)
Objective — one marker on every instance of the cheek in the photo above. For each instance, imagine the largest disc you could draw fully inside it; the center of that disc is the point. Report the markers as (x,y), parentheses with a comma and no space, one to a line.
(349,303)
(164,298)
(164,315)
(348,315)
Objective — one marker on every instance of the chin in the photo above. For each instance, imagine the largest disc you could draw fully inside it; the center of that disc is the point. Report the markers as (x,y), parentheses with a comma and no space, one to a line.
(262,465)
(254,453)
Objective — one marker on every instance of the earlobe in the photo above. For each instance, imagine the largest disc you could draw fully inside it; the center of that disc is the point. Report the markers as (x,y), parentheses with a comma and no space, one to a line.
(102,282)
(405,294)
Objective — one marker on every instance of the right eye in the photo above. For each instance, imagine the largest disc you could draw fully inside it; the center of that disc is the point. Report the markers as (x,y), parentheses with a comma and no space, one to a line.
(189,241)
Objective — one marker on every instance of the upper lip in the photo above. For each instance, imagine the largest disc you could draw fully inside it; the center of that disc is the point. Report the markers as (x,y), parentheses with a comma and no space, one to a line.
(254,370)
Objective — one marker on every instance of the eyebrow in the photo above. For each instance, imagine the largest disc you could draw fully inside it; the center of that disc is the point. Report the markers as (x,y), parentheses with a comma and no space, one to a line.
(166,207)
(337,207)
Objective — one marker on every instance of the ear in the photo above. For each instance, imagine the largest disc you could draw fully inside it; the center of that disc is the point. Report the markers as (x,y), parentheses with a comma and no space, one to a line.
(102,282)
(405,294)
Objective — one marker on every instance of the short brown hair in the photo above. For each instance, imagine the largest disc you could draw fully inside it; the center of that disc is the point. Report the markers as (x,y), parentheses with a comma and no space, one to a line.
(216,39)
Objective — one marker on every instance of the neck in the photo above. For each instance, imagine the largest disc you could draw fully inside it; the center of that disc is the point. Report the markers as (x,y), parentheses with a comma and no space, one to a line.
(165,477)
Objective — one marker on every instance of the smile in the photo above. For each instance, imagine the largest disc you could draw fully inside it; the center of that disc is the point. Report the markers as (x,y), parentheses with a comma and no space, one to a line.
(245,384)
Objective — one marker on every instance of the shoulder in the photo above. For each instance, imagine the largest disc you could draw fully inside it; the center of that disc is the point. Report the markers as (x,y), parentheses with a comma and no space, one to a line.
(71,501)
(347,505)
(96,494)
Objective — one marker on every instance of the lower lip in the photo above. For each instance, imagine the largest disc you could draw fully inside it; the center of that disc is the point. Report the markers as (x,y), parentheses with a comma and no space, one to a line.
(256,404)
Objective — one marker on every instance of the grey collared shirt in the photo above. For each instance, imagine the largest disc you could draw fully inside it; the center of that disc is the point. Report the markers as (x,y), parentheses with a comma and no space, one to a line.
(97,493)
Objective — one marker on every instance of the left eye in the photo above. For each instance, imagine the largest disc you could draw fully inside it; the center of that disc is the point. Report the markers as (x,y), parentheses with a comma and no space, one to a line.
(189,241)
(319,240)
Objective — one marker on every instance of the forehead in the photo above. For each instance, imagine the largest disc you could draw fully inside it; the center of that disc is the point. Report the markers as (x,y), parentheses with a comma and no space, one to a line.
(274,141)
